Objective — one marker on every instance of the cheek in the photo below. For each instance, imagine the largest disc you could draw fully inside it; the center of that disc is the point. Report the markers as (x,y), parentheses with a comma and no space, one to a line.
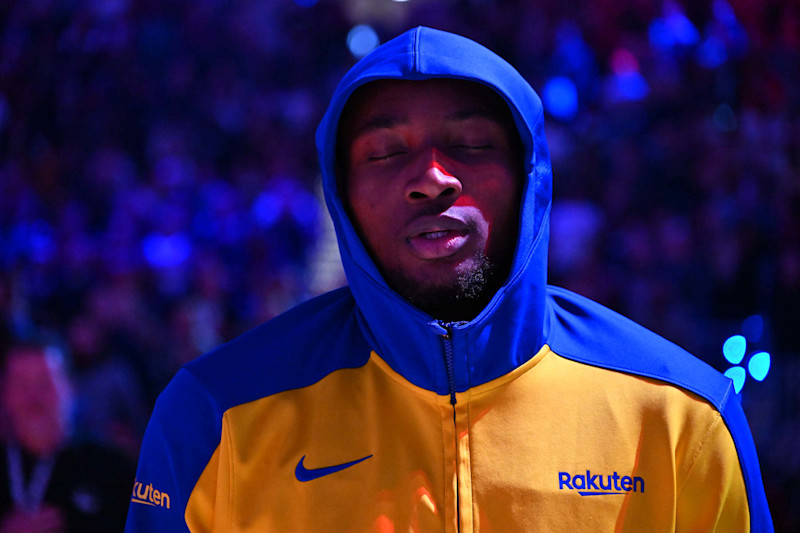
(367,215)
(508,193)
(362,213)
(502,211)
(367,201)
(496,191)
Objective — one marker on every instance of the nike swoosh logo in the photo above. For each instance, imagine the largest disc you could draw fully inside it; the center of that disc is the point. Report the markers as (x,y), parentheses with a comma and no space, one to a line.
(307,474)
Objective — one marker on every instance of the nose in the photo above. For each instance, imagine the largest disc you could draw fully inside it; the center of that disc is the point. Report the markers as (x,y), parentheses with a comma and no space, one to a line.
(435,181)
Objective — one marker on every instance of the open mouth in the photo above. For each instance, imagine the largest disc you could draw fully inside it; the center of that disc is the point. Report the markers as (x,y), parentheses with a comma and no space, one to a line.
(430,235)
(438,244)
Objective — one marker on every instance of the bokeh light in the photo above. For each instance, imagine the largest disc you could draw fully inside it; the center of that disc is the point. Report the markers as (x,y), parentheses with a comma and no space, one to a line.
(753,328)
(561,98)
(361,39)
(734,348)
(759,365)
(725,118)
(737,375)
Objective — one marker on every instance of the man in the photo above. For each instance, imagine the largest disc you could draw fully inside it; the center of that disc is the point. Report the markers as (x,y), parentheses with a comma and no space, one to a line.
(49,483)
(447,388)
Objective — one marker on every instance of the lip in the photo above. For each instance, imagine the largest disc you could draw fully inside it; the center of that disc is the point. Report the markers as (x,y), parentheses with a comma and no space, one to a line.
(436,237)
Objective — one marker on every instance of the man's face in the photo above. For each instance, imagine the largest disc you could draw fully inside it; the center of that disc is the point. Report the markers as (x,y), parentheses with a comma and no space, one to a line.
(36,398)
(432,174)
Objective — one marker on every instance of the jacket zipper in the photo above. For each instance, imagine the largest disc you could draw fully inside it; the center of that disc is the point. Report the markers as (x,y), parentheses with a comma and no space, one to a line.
(451,383)
(448,361)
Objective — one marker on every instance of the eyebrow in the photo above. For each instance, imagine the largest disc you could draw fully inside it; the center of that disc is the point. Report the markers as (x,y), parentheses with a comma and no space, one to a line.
(476,112)
(383,122)
(379,122)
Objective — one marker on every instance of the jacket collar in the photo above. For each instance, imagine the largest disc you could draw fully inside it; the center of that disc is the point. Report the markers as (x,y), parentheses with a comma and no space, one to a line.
(509,331)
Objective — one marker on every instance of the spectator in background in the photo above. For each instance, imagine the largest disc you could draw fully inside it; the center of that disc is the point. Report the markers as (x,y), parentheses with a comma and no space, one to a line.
(109,400)
(49,482)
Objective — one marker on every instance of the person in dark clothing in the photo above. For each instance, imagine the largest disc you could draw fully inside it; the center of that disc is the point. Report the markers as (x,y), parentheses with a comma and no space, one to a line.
(50,483)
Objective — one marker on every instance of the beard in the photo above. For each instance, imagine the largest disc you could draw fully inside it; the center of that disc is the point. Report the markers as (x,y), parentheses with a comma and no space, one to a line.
(461,300)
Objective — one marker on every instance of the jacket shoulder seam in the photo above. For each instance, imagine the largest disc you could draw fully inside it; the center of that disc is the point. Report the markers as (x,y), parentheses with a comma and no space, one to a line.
(700,448)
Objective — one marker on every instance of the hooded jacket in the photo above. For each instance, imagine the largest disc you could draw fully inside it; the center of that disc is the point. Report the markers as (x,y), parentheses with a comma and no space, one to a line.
(356,411)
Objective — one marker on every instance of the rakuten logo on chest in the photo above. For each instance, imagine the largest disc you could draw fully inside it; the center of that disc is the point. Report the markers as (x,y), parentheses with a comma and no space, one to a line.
(588,484)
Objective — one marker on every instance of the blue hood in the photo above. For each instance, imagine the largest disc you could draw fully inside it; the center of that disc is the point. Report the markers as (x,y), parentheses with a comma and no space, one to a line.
(510,329)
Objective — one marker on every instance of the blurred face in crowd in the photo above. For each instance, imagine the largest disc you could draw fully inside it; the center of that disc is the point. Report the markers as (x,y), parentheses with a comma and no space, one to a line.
(36,397)
(432,175)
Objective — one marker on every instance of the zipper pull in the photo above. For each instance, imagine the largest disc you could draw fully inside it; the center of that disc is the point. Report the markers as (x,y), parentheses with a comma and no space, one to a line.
(448,360)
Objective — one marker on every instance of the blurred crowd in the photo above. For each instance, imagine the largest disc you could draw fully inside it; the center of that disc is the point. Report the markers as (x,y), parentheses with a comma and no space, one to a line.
(159,184)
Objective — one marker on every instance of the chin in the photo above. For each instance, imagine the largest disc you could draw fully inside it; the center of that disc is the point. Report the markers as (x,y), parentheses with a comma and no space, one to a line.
(457,293)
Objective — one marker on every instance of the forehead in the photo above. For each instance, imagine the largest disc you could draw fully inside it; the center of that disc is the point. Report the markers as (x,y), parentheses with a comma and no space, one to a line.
(386,102)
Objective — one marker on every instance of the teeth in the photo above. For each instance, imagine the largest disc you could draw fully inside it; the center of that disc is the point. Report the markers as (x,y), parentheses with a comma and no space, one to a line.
(434,234)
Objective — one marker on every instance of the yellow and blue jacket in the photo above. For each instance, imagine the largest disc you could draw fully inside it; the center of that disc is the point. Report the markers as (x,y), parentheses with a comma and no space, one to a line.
(358,412)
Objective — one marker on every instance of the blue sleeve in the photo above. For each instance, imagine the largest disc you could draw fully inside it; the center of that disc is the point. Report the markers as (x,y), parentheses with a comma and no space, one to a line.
(733,414)
(181,437)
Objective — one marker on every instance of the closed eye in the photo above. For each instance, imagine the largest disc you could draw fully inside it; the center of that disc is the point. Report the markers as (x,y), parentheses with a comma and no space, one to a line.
(384,157)
(472,146)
